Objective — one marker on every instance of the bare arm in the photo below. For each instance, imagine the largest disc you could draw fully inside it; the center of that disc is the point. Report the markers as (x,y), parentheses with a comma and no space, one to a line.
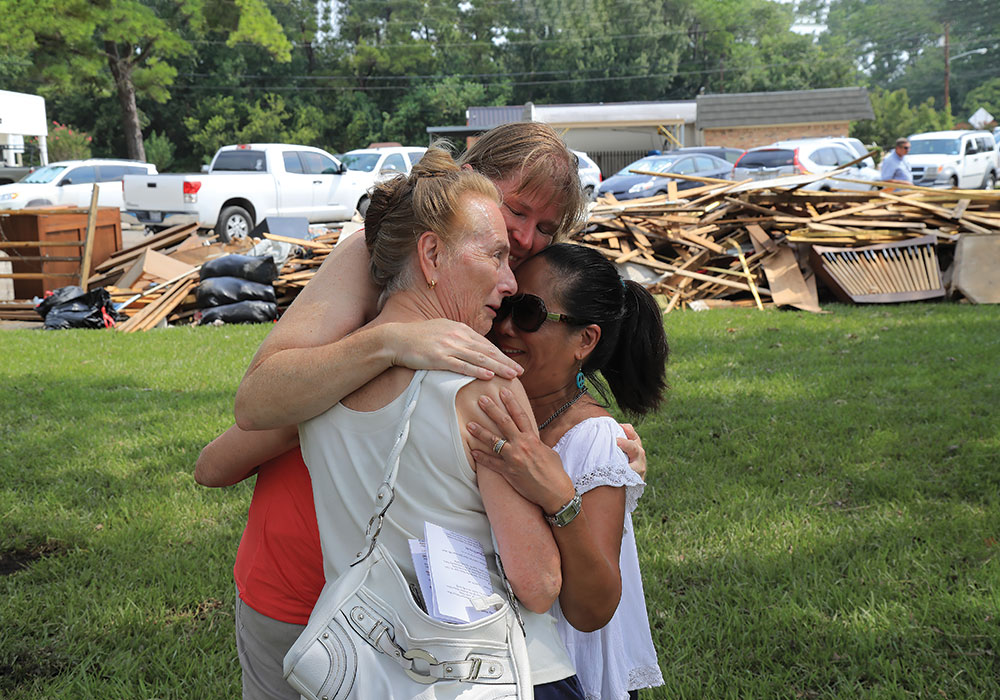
(236,454)
(589,546)
(529,553)
(316,355)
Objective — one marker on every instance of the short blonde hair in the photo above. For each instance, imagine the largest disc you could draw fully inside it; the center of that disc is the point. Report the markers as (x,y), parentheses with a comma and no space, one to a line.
(404,207)
(533,153)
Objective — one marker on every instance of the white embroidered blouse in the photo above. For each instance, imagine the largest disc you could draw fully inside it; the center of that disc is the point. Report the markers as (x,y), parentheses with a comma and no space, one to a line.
(619,657)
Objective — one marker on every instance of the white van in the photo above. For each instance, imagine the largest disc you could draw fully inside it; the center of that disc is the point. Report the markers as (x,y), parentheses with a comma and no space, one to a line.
(964,159)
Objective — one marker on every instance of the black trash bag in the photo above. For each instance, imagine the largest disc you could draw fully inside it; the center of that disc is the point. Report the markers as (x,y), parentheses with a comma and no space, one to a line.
(57,297)
(249,267)
(91,309)
(240,312)
(217,291)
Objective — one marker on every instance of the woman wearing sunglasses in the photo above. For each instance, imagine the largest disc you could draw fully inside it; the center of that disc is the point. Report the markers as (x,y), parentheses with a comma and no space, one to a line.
(575,322)
(315,355)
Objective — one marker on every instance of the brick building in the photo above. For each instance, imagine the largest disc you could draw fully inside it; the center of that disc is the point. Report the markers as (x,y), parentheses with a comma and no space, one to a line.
(753,119)
(616,134)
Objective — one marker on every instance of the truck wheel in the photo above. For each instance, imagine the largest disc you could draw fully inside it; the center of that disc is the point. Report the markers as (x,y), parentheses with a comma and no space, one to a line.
(991,181)
(363,206)
(954,182)
(234,222)
(588,193)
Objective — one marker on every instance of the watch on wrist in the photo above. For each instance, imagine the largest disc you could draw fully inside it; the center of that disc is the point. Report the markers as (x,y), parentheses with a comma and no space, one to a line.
(565,515)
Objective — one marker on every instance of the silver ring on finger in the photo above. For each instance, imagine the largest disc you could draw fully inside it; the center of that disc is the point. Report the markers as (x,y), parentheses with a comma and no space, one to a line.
(498,445)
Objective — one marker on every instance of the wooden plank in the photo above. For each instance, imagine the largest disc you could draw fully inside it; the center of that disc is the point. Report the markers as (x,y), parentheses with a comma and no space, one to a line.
(691,178)
(761,239)
(41,244)
(158,288)
(840,213)
(701,240)
(88,241)
(298,241)
(710,192)
(169,300)
(940,211)
(123,257)
(36,275)
(634,253)
(165,306)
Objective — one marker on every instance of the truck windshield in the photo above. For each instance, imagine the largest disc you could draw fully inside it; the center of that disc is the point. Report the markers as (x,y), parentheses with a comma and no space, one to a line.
(240,161)
(365,162)
(940,147)
(46,174)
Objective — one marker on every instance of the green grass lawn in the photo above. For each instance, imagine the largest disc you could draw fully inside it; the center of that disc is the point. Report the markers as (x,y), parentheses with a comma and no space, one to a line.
(821,519)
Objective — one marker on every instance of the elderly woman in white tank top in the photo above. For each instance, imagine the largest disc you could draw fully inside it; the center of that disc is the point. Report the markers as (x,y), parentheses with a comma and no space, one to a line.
(439,249)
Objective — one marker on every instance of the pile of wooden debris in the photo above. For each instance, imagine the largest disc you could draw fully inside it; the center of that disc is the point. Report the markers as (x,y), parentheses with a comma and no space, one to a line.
(751,243)
(157,279)
(721,243)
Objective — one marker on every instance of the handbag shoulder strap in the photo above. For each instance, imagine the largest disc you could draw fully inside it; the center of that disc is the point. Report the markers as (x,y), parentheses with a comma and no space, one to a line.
(386,491)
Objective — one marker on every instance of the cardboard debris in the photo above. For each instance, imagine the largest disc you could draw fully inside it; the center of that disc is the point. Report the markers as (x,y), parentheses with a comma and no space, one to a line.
(976,273)
(152,268)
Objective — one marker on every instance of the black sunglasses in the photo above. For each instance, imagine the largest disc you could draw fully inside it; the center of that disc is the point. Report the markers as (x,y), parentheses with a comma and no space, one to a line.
(528,313)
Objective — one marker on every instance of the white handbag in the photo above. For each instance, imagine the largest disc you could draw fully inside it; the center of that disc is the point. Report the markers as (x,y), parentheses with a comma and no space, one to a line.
(367,639)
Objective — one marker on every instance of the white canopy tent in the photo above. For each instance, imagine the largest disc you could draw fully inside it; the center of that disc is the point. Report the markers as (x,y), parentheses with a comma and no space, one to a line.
(22,115)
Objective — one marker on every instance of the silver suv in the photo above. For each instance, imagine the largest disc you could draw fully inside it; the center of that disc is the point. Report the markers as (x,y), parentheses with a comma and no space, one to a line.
(966,159)
(806,157)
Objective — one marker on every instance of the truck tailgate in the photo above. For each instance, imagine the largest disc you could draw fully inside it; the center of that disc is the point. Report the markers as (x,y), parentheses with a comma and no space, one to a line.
(155,192)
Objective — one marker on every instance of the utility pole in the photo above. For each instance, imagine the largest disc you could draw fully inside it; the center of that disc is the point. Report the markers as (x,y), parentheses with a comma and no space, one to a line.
(947,70)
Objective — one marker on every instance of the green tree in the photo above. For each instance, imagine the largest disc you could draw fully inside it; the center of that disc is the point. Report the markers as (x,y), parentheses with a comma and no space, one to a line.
(895,117)
(901,44)
(224,120)
(986,96)
(126,46)
(159,150)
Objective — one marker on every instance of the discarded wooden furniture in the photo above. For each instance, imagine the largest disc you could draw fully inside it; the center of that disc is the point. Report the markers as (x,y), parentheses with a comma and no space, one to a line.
(48,248)
(881,274)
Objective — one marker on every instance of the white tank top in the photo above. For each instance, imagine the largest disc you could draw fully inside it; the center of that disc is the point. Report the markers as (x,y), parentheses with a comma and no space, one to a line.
(346,452)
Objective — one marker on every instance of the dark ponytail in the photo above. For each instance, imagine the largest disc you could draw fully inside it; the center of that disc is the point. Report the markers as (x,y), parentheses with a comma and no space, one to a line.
(632,352)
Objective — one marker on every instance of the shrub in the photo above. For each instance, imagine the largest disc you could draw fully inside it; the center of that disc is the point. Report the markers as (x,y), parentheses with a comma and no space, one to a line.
(67,143)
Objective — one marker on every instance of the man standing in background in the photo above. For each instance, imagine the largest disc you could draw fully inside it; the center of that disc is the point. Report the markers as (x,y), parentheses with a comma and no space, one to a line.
(894,167)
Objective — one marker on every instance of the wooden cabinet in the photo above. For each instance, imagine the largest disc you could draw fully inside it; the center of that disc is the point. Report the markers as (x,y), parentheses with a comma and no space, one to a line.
(51,260)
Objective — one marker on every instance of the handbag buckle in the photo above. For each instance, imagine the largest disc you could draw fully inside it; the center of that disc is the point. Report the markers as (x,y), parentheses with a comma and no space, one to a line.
(424,678)
(474,671)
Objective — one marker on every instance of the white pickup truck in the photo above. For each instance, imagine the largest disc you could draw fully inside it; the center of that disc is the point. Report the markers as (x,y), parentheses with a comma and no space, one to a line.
(243,185)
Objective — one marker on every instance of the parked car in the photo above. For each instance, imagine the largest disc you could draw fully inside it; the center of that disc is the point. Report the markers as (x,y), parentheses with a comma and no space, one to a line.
(857,147)
(244,184)
(365,166)
(805,157)
(730,154)
(590,174)
(71,182)
(12,173)
(965,159)
(627,185)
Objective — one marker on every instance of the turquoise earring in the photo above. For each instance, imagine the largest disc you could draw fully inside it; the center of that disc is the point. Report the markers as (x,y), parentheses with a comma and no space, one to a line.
(579,380)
